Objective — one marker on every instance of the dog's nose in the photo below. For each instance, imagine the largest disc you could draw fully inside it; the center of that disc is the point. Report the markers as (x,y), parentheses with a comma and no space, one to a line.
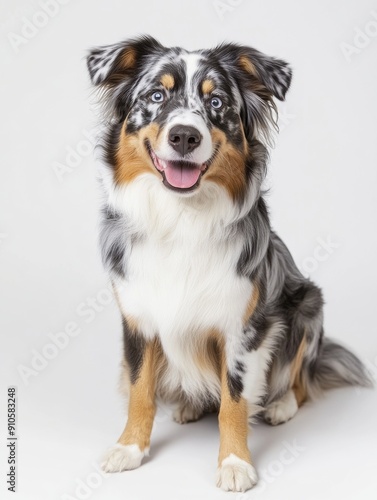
(184,139)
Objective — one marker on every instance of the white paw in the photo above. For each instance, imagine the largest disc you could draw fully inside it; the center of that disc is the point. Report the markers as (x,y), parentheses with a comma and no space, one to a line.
(121,457)
(282,410)
(236,474)
(185,414)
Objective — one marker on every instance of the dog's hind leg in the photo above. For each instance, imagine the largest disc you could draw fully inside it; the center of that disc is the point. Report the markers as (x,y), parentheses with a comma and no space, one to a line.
(286,407)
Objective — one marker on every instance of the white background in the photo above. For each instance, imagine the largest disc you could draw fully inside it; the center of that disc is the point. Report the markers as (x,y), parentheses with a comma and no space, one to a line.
(323,186)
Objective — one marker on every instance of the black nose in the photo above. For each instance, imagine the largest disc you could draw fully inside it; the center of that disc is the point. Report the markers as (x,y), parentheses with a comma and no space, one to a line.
(184,139)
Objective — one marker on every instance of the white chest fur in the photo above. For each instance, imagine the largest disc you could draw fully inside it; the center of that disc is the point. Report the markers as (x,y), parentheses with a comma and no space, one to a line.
(181,274)
(176,288)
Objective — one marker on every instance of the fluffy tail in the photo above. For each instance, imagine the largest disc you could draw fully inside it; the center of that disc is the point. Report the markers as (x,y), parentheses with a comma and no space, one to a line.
(335,366)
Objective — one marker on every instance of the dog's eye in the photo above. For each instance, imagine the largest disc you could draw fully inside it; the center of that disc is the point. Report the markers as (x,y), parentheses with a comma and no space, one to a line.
(158,97)
(216,102)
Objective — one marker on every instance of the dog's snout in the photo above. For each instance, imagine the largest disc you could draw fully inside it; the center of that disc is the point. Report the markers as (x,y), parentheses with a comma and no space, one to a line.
(184,139)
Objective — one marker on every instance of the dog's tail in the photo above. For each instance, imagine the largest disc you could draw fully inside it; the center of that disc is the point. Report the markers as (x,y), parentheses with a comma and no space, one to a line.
(334,366)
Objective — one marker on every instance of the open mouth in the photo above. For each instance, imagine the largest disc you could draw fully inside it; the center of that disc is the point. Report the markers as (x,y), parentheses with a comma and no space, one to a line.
(178,175)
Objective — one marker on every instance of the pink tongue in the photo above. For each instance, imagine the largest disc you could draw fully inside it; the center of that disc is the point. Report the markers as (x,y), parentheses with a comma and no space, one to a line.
(181,176)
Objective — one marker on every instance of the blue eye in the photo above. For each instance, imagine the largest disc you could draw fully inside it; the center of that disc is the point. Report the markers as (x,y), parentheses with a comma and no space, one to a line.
(158,97)
(216,102)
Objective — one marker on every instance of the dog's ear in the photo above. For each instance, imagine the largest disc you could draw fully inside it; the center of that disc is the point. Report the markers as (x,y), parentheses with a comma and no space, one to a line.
(264,74)
(274,74)
(260,78)
(113,64)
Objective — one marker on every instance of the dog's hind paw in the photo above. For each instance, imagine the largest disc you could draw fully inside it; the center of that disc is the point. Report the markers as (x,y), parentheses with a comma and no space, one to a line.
(123,457)
(236,474)
(282,410)
(185,414)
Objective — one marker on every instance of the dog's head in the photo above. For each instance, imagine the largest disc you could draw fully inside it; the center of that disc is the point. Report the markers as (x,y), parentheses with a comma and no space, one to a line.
(186,117)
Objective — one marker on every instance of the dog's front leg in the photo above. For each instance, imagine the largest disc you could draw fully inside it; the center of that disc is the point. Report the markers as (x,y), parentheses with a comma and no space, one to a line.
(235,471)
(134,442)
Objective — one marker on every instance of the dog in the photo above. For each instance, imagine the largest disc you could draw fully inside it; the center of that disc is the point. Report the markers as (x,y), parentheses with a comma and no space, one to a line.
(216,315)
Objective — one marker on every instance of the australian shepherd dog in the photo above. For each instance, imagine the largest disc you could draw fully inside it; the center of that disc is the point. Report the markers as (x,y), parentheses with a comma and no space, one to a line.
(216,315)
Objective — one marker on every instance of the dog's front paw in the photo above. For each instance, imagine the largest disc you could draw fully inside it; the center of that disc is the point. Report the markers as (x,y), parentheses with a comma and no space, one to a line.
(123,457)
(235,474)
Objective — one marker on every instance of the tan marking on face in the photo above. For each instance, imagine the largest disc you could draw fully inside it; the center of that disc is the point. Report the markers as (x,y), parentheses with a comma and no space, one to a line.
(228,168)
(142,407)
(208,86)
(233,419)
(132,158)
(296,378)
(167,81)
(252,304)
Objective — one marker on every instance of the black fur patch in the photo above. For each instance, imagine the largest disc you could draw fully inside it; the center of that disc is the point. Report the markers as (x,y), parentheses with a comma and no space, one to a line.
(113,241)
(235,385)
(256,228)
(134,348)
